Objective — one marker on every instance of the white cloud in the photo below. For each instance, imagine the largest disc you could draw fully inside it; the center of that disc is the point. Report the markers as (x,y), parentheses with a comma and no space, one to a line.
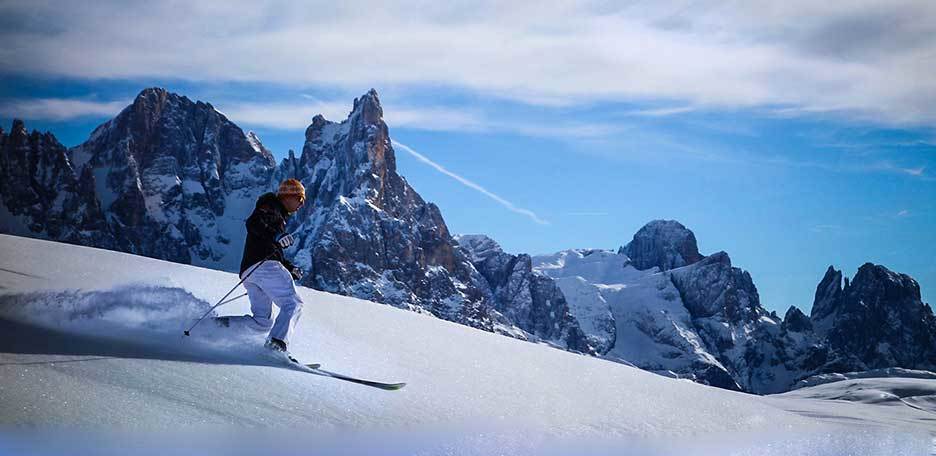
(285,116)
(661,112)
(59,109)
(872,59)
(298,115)
(503,202)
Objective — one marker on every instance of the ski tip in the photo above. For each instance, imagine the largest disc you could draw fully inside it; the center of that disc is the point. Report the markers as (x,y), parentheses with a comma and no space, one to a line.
(313,366)
(395,386)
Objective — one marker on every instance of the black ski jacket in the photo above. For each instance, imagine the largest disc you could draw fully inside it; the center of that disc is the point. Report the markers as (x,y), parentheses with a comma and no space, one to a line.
(265,224)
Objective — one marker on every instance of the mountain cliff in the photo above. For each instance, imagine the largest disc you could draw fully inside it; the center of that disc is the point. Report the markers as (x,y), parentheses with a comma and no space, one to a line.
(174,179)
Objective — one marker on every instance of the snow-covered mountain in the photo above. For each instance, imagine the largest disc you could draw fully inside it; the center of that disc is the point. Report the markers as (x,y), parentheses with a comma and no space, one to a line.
(665,244)
(365,232)
(42,193)
(90,339)
(877,320)
(527,298)
(698,317)
(167,178)
(640,314)
(174,179)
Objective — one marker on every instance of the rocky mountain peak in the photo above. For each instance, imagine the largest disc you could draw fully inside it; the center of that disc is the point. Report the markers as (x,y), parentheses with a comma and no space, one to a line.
(367,233)
(42,193)
(18,128)
(796,321)
(355,155)
(712,287)
(666,244)
(529,299)
(877,320)
(876,280)
(165,169)
(368,107)
(828,294)
(479,247)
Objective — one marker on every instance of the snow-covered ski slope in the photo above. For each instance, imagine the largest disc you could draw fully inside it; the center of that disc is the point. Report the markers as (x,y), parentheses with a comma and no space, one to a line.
(92,355)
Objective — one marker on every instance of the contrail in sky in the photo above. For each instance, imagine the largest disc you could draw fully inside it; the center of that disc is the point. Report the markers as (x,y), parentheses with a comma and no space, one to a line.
(510,206)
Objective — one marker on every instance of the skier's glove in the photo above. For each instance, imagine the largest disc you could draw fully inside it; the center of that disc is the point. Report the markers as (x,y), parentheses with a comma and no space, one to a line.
(285,240)
(296,273)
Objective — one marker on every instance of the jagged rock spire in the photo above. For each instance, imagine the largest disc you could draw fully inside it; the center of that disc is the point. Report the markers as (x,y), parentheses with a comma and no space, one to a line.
(828,294)
(665,244)
(166,168)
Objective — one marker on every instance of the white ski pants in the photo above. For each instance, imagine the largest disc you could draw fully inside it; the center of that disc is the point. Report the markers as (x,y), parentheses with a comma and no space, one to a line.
(271,283)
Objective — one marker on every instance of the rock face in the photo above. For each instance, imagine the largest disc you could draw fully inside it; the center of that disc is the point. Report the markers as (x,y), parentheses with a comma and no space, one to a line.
(652,326)
(174,179)
(666,244)
(365,232)
(876,321)
(829,294)
(172,176)
(527,298)
(725,309)
(796,321)
(42,193)
(704,321)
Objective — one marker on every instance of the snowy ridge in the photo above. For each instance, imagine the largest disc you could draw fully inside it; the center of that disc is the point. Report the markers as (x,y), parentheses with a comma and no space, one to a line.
(527,299)
(478,246)
(679,313)
(162,179)
(366,233)
(111,344)
(640,313)
(174,179)
(890,372)
(901,401)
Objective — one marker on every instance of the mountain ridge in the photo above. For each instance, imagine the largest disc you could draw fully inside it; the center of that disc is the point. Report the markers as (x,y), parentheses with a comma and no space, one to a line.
(173,178)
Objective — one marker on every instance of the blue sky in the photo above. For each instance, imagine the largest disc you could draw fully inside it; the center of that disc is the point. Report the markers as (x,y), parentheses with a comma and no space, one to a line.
(791,144)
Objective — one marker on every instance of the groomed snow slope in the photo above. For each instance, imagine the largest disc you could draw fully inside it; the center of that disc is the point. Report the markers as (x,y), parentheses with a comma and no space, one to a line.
(92,340)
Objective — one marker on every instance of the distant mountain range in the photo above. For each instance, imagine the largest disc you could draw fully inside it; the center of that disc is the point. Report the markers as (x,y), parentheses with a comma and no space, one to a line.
(660,305)
(174,179)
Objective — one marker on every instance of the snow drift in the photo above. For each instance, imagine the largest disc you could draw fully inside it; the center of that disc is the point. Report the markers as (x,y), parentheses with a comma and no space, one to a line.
(92,339)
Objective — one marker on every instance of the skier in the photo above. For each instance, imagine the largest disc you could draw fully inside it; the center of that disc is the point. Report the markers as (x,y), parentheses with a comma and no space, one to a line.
(271,275)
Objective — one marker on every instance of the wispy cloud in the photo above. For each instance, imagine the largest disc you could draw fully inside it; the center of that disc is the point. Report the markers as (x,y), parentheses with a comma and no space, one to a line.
(472,185)
(880,166)
(298,115)
(872,59)
(661,112)
(284,116)
(58,109)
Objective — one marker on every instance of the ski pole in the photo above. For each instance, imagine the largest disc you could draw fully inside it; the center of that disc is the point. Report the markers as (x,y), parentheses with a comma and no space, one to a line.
(234,299)
(222,301)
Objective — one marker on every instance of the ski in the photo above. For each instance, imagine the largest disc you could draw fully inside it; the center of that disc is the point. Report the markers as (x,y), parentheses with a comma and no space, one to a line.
(384,386)
(290,361)
(301,364)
